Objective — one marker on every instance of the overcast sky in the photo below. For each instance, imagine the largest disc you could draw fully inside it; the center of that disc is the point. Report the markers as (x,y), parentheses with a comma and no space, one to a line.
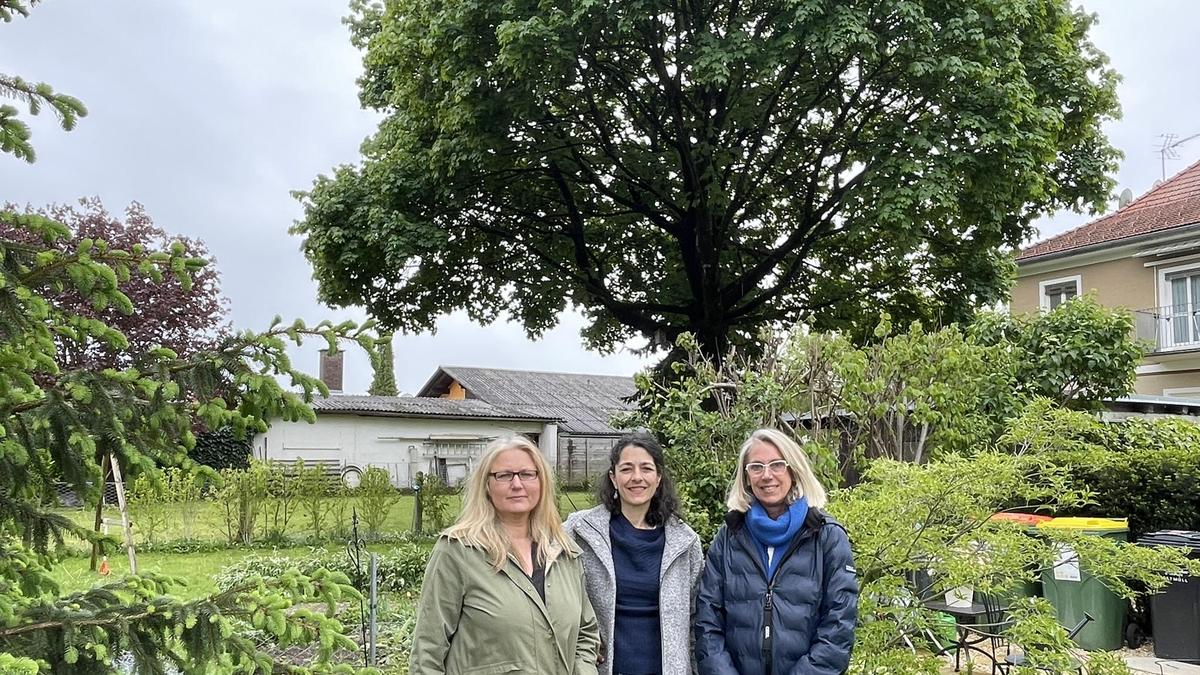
(211,112)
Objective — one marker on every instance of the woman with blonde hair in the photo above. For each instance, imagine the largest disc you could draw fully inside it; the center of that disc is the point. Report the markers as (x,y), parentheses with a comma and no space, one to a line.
(504,590)
(778,593)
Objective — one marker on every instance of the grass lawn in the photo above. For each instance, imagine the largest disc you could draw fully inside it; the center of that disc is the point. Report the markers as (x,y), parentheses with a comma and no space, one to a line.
(196,569)
(204,520)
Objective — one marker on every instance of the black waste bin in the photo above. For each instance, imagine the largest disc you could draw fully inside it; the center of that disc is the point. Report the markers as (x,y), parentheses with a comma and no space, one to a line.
(1175,610)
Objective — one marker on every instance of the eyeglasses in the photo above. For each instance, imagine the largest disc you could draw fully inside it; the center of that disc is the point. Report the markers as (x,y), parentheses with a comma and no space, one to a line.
(758,468)
(527,476)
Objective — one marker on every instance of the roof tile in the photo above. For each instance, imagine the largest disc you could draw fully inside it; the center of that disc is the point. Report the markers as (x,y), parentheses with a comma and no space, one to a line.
(1173,203)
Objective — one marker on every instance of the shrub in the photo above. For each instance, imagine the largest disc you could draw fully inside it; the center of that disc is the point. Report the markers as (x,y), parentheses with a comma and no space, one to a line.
(376,497)
(1141,469)
(221,450)
(148,500)
(313,487)
(242,494)
(906,518)
(400,569)
(432,504)
(279,503)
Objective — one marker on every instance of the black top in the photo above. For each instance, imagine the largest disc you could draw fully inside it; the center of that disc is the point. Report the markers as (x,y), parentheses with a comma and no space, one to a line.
(637,560)
(538,576)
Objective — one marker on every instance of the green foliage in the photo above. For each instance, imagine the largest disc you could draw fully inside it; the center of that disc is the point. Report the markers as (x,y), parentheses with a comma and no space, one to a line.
(432,502)
(376,497)
(1078,354)
(339,509)
(221,450)
(911,396)
(155,499)
(383,365)
(705,417)
(279,504)
(1141,469)
(401,569)
(14,133)
(314,488)
(82,632)
(242,495)
(711,170)
(908,395)
(57,422)
(907,518)
(149,505)
(183,489)
(13,665)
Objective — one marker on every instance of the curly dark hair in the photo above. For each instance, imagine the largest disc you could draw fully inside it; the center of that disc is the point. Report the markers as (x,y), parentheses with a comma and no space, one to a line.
(664,503)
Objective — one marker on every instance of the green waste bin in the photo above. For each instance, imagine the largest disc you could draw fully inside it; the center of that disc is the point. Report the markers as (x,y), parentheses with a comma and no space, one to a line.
(1072,590)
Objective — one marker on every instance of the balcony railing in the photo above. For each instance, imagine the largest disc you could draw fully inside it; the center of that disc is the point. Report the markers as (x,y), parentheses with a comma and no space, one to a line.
(1170,327)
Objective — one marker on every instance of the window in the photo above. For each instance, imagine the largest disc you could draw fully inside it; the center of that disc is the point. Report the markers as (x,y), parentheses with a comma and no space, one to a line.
(1055,292)
(1184,310)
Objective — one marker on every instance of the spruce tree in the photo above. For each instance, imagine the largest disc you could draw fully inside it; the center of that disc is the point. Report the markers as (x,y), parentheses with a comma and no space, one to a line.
(35,96)
(56,425)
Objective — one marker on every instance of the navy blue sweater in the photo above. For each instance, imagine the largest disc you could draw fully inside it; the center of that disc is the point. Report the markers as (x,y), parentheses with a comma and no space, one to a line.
(637,559)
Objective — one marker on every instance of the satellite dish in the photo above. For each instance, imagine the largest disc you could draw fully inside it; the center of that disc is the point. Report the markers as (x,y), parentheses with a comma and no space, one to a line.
(1125,198)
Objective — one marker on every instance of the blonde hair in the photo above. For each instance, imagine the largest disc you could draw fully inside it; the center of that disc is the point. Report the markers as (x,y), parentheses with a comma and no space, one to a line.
(479,526)
(804,481)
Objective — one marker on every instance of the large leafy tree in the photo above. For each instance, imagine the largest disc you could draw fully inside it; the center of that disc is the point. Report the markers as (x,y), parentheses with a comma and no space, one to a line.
(710,166)
(35,96)
(185,317)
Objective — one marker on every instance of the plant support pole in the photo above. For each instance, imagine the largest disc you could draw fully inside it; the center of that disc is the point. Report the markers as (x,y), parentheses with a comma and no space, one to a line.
(374,603)
(100,510)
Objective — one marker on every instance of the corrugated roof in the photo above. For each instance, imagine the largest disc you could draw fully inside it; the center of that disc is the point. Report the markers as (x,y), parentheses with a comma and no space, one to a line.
(1173,203)
(583,403)
(409,406)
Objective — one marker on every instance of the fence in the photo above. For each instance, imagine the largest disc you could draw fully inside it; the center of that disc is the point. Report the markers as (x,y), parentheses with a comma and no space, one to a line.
(582,458)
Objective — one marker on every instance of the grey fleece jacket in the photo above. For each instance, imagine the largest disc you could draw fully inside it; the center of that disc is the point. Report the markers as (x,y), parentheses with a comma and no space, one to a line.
(682,563)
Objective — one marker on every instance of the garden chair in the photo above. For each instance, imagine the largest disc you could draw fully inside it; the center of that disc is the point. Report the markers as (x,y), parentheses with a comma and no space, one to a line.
(1012,661)
(986,637)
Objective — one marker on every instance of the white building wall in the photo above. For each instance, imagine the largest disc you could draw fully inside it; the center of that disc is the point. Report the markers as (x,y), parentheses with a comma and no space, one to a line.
(397,444)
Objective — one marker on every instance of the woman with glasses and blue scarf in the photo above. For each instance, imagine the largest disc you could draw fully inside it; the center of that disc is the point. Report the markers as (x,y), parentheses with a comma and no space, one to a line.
(778,594)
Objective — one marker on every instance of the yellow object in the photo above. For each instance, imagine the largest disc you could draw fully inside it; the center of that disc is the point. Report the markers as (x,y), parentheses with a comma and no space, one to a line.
(1087,524)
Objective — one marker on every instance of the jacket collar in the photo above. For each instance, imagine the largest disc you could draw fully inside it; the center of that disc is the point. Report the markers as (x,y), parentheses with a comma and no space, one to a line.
(593,529)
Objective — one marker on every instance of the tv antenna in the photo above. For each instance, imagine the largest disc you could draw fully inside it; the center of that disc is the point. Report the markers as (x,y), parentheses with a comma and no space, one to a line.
(1167,150)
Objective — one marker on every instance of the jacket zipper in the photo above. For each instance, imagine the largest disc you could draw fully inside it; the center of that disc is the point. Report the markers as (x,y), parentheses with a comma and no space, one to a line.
(768,653)
(768,615)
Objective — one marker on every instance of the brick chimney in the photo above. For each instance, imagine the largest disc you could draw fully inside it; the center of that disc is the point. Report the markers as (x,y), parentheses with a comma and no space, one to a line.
(331,370)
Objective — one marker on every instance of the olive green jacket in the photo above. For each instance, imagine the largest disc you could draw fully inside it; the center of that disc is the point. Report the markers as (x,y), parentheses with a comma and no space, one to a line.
(473,620)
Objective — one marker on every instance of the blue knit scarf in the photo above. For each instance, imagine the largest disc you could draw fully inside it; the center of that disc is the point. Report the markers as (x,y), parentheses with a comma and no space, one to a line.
(767,531)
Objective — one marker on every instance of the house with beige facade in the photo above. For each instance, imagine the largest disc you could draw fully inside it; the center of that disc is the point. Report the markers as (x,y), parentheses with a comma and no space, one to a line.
(1144,257)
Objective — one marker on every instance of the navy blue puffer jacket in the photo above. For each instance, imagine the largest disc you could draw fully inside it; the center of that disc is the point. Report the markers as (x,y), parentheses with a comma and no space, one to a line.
(801,622)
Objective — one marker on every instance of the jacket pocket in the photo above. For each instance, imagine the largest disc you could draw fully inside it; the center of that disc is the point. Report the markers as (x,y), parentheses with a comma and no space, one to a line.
(495,669)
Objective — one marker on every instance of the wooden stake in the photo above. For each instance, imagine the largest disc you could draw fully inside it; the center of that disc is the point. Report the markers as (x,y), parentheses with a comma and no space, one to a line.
(100,508)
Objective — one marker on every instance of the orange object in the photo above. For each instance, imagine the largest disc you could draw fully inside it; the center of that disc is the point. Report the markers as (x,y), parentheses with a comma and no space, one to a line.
(1027,519)
(104,569)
